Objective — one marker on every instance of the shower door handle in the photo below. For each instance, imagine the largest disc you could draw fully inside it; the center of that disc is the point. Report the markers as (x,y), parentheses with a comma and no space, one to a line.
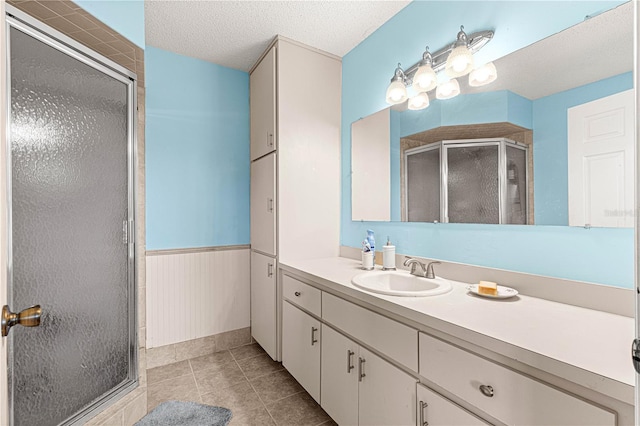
(29,317)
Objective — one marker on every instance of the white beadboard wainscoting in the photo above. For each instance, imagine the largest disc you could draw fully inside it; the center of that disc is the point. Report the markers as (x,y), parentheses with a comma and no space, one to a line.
(196,293)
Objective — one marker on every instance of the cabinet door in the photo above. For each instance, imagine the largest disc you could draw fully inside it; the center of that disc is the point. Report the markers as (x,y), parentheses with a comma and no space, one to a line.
(339,377)
(387,395)
(301,348)
(263,205)
(436,410)
(262,95)
(263,301)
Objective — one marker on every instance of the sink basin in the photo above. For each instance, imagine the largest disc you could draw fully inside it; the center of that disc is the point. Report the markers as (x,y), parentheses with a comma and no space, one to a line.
(401,283)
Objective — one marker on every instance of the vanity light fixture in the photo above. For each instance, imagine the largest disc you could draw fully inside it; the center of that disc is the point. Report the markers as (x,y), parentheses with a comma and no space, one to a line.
(455,59)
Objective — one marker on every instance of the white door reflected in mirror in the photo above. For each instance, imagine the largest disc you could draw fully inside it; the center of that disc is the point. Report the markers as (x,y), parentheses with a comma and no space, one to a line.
(371,167)
(601,156)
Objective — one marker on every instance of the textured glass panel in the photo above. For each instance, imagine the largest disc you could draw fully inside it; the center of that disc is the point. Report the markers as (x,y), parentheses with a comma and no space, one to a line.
(423,186)
(516,195)
(473,184)
(69,200)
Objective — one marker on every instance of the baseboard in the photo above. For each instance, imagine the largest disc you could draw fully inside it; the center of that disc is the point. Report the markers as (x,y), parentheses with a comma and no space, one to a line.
(168,354)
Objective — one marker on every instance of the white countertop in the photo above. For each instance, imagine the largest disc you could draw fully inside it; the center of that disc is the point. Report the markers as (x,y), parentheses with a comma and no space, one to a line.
(588,347)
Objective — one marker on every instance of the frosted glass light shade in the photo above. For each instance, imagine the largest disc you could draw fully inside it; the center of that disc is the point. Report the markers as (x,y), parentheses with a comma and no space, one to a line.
(447,90)
(425,79)
(459,62)
(419,101)
(396,92)
(484,75)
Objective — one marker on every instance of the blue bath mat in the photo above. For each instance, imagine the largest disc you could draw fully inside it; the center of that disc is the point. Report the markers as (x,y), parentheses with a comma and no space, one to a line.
(178,413)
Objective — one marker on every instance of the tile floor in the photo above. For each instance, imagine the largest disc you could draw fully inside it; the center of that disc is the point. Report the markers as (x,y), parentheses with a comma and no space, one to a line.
(246,380)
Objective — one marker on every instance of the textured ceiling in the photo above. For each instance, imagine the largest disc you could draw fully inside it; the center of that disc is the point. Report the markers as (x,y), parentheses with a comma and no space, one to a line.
(597,48)
(235,33)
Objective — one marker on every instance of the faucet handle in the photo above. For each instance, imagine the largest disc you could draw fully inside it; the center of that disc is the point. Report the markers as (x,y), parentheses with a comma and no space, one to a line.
(430,273)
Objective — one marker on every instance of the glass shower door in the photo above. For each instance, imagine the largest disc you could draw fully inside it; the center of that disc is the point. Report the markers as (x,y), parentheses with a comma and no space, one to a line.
(473,189)
(423,185)
(70,211)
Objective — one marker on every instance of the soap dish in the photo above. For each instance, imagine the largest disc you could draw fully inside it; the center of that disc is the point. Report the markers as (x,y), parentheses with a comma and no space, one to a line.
(503,292)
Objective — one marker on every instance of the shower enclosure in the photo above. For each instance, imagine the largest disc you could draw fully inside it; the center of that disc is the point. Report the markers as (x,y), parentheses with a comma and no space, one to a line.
(71,216)
(467,181)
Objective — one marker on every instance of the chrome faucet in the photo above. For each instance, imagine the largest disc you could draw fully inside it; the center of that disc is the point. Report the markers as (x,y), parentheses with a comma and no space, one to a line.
(427,271)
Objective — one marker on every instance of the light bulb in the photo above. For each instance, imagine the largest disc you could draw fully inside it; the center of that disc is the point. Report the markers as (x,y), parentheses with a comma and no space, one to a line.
(484,75)
(459,64)
(419,101)
(396,92)
(447,90)
(425,79)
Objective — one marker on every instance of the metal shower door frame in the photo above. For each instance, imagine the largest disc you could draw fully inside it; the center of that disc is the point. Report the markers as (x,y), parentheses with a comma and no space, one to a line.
(17,19)
(501,143)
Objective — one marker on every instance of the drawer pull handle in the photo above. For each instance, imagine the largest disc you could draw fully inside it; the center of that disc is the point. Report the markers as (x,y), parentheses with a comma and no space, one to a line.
(350,366)
(423,405)
(486,390)
(297,293)
(269,270)
(313,336)
(361,374)
(270,205)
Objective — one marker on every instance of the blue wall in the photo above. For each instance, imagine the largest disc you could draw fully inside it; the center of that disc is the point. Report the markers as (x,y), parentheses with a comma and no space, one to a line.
(550,150)
(197,153)
(124,16)
(573,253)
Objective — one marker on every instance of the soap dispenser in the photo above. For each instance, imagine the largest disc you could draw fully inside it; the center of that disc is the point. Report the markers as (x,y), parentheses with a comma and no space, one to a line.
(388,256)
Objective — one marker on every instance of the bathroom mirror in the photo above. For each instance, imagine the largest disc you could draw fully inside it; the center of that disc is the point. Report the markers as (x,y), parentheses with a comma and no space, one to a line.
(542,94)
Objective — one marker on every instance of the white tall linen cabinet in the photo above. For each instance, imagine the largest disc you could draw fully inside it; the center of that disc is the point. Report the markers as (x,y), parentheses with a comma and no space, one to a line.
(295,172)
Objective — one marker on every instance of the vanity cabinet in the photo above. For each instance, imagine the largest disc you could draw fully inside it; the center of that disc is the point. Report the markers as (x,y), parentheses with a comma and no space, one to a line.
(359,387)
(436,410)
(301,344)
(369,368)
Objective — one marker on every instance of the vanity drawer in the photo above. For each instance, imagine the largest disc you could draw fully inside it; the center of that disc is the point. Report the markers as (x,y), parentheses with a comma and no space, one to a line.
(390,337)
(301,294)
(508,396)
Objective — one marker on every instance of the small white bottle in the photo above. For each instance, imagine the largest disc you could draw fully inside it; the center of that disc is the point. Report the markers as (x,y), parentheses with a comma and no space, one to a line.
(388,256)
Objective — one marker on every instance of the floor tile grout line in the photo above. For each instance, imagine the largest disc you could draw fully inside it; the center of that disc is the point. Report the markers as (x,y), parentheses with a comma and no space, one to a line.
(288,396)
(169,378)
(193,374)
(257,394)
(266,374)
(249,357)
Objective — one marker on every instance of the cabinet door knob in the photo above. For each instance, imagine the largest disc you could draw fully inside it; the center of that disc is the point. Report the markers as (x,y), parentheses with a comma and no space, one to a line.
(313,336)
(486,390)
(297,294)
